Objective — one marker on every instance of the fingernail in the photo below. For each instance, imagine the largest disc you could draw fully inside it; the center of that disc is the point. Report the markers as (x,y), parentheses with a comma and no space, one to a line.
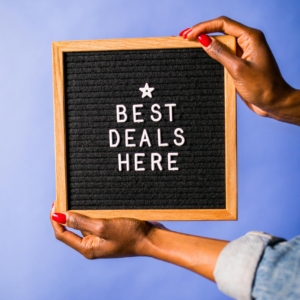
(186,33)
(204,40)
(182,32)
(59,218)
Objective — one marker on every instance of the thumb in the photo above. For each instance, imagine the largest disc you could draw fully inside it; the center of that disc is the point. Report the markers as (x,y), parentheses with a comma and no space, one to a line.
(221,53)
(80,222)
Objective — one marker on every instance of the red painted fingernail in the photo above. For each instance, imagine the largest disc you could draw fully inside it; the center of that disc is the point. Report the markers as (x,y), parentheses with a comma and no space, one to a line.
(59,218)
(204,40)
(186,33)
(182,32)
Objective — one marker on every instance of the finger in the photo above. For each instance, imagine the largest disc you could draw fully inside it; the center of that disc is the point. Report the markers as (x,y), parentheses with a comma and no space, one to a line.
(81,245)
(220,52)
(62,234)
(80,222)
(56,226)
(221,24)
(69,238)
(85,246)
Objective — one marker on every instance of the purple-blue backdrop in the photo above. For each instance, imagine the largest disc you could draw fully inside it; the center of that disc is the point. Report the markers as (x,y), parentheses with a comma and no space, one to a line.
(33,265)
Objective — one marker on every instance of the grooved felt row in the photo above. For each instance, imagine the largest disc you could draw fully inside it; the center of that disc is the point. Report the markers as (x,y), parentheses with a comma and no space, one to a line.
(95,82)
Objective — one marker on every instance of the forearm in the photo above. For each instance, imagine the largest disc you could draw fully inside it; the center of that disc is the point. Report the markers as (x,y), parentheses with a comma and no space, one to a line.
(197,254)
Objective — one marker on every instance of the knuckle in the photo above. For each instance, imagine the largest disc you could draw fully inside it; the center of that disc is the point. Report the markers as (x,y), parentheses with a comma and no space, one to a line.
(216,48)
(73,221)
(237,68)
(100,228)
(258,35)
(89,254)
(58,235)
(223,19)
(89,251)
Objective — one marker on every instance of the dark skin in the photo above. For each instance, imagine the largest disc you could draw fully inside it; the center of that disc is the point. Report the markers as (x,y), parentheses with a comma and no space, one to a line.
(254,70)
(261,86)
(120,237)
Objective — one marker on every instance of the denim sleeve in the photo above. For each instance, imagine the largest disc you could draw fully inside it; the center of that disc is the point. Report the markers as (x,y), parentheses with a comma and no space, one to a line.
(236,266)
(278,273)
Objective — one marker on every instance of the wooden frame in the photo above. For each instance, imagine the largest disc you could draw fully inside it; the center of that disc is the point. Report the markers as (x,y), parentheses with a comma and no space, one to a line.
(229,213)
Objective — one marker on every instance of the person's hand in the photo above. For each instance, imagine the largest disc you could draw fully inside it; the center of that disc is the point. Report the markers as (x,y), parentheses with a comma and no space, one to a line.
(102,238)
(122,237)
(254,70)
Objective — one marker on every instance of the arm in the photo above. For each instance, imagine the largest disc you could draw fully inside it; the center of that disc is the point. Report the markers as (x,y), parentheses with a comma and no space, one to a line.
(234,266)
(112,238)
(254,70)
(259,83)
(278,272)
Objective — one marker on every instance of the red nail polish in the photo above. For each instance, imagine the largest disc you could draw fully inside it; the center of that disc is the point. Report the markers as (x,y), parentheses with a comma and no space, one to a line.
(204,40)
(59,218)
(182,32)
(186,33)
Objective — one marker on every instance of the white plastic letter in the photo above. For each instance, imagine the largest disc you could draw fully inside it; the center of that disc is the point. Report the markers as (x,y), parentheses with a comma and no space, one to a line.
(111,140)
(138,162)
(155,160)
(145,138)
(121,111)
(123,162)
(180,130)
(136,113)
(159,116)
(160,144)
(128,138)
(170,161)
(170,105)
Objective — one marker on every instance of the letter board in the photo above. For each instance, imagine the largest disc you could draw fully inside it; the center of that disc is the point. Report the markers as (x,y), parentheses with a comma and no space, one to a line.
(144,128)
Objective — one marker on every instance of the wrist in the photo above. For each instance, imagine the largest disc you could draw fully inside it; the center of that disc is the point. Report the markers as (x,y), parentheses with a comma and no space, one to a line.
(149,245)
(291,110)
(287,106)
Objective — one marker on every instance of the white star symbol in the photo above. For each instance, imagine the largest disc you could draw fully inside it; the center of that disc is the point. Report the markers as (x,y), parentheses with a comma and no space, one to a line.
(146,91)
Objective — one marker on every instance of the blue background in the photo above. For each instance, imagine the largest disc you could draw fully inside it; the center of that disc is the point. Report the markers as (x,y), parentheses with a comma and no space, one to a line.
(33,265)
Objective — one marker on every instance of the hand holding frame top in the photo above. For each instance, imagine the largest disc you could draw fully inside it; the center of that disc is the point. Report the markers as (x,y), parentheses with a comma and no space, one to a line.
(254,70)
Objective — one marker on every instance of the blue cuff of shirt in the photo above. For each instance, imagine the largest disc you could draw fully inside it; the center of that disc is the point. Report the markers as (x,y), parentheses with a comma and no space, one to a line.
(236,266)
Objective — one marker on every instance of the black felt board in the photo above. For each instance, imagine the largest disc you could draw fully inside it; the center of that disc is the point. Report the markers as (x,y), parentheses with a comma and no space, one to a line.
(95,82)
